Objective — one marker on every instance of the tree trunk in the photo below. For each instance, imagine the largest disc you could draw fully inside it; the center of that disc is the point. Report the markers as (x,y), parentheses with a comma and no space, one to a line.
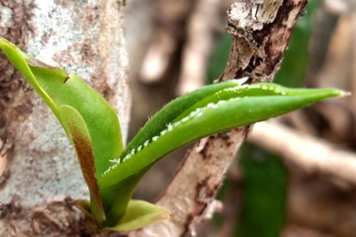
(40,175)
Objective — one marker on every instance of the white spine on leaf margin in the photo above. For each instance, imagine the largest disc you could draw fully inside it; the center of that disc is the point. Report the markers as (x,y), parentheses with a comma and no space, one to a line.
(196,113)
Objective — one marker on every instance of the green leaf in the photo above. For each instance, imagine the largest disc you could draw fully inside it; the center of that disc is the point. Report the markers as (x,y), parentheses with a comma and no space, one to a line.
(79,135)
(140,214)
(87,110)
(153,128)
(117,203)
(159,121)
(56,88)
(118,196)
(93,128)
(264,187)
(220,111)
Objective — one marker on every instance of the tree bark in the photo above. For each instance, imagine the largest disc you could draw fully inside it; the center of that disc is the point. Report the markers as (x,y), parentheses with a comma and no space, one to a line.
(39,172)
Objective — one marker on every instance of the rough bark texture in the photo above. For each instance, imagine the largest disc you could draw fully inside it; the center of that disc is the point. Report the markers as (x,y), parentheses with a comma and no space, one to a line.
(260,34)
(37,163)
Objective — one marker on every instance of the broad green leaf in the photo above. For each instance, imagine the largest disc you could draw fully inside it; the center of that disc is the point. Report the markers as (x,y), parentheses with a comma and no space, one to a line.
(140,214)
(220,111)
(57,88)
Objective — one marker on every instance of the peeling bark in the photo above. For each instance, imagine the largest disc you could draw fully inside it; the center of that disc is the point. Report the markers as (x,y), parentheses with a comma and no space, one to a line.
(85,38)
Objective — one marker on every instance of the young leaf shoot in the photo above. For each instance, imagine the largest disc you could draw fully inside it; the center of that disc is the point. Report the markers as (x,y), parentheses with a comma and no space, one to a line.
(112,172)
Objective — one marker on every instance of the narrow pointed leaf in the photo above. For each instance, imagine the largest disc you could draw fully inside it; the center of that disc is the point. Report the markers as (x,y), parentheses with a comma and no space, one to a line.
(226,109)
(178,106)
(79,135)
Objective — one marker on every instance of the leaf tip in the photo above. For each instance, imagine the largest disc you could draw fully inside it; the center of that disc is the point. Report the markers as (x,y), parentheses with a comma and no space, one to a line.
(345,93)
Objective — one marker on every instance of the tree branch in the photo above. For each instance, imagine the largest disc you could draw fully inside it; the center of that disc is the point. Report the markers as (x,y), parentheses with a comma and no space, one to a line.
(260,34)
(322,178)
(198,47)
